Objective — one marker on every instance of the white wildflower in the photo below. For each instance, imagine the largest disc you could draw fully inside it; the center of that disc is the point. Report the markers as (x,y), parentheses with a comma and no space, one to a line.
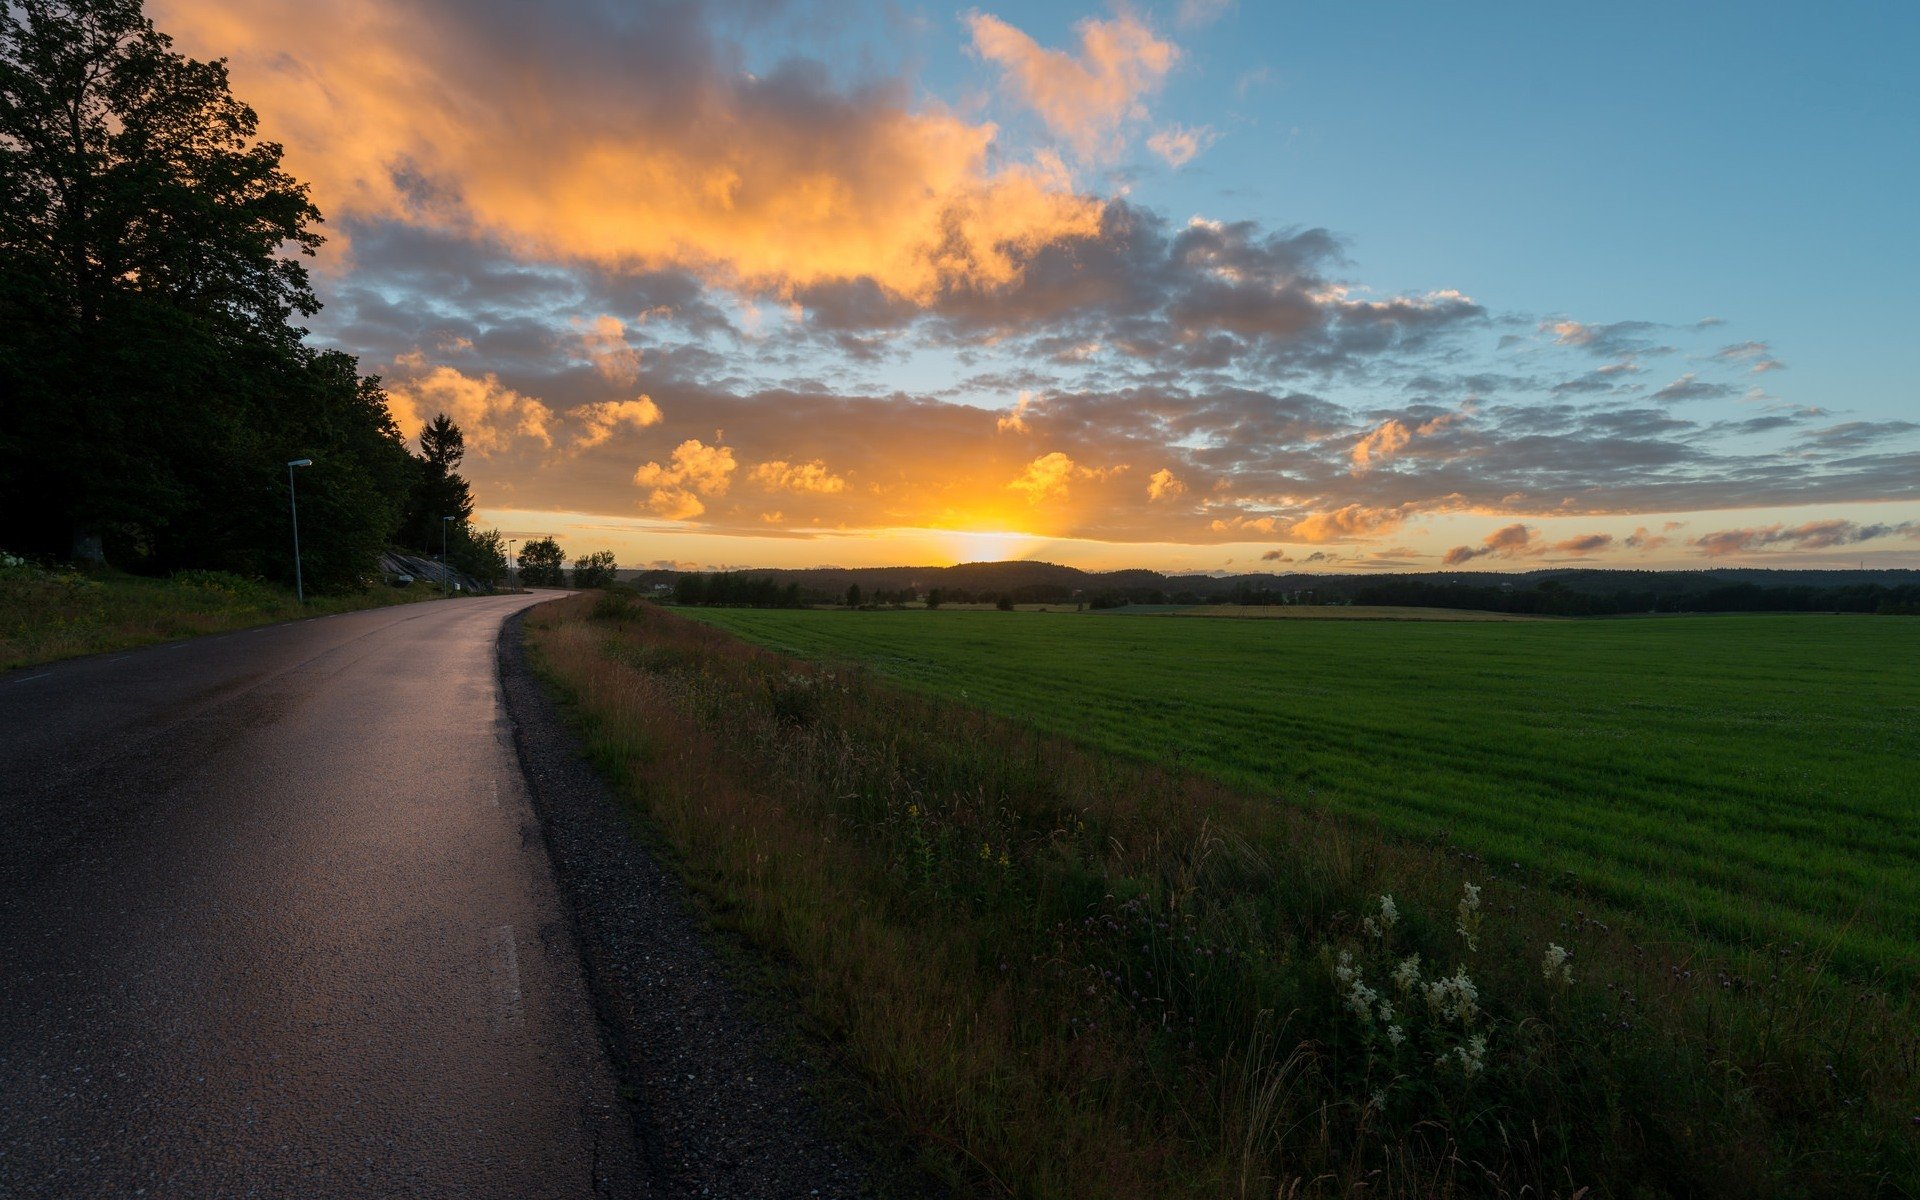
(1386,1011)
(1454,998)
(1343,970)
(1468,927)
(1406,976)
(1473,1055)
(1554,964)
(1396,1035)
(1360,999)
(1382,926)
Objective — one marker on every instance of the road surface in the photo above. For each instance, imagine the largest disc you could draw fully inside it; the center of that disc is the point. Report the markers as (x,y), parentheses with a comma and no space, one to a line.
(276,920)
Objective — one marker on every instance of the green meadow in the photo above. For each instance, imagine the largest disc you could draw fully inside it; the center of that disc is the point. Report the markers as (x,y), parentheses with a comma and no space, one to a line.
(1740,780)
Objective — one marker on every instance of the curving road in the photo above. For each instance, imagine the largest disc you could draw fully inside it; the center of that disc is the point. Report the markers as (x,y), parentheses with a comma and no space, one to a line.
(276,920)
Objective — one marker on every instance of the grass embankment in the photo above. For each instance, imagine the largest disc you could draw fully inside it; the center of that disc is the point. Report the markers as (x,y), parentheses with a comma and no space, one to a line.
(53,614)
(1074,974)
(1741,779)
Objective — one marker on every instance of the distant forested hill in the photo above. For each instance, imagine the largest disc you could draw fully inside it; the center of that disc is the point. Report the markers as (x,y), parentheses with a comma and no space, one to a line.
(1572,592)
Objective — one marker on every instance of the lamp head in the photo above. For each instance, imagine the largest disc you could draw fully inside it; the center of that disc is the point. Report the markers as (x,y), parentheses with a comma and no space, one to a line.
(301,462)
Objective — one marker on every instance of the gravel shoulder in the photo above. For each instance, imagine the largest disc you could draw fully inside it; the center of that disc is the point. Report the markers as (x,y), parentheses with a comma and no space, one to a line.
(722,1103)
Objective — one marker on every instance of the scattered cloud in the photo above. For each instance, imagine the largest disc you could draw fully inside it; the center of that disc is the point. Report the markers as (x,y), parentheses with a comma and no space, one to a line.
(1048,477)
(599,422)
(1178,145)
(696,470)
(1691,387)
(489,413)
(1016,420)
(1085,98)
(812,476)
(1814,535)
(1380,445)
(1508,541)
(1347,523)
(1164,485)
(1198,14)
(606,346)
(1590,543)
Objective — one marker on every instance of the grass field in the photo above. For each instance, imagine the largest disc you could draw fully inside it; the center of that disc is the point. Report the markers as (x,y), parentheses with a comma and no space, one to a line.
(1340,612)
(1740,779)
(1069,972)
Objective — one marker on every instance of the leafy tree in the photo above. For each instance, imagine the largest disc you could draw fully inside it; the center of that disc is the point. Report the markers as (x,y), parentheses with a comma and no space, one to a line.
(543,564)
(594,570)
(481,553)
(934,598)
(152,385)
(853,595)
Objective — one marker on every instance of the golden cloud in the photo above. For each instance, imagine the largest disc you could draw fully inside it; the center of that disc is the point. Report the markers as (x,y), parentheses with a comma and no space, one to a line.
(697,470)
(634,143)
(781,476)
(1048,477)
(599,421)
(1347,523)
(489,413)
(1163,485)
(1380,445)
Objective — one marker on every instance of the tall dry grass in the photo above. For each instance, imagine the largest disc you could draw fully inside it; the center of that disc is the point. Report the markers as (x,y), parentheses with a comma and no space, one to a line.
(1067,975)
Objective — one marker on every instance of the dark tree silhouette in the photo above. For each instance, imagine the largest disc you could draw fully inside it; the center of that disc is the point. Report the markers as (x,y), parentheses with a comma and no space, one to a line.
(543,564)
(152,383)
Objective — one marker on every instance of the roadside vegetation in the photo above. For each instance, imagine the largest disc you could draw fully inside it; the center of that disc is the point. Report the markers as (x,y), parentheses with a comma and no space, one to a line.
(54,613)
(1070,972)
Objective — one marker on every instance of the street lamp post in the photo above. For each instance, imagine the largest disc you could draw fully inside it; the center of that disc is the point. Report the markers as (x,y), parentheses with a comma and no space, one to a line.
(443,540)
(513,579)
(293,503)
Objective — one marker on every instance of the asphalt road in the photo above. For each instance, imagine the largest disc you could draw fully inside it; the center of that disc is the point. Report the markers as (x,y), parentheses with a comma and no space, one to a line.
(276,920)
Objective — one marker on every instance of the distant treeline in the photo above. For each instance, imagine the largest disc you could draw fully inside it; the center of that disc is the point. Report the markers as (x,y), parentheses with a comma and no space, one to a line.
(1585,594)
(737,589)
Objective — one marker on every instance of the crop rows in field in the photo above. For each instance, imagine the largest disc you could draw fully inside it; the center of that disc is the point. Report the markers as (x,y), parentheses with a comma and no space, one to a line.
(1738,778)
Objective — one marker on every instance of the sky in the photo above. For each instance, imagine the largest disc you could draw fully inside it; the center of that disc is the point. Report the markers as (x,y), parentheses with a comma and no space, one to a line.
(1193,286)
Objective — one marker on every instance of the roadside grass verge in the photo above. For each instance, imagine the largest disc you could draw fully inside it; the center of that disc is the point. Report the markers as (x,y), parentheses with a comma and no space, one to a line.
(48,614)
(1072,974)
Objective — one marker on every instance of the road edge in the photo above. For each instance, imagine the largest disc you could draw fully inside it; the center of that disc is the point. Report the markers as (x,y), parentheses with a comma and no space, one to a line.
(716,1110)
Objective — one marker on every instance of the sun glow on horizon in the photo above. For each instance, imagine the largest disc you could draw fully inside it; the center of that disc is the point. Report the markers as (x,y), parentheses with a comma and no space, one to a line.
(967,545)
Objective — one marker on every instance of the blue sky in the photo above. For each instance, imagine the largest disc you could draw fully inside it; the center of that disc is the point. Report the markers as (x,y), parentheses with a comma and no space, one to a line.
(1188,285)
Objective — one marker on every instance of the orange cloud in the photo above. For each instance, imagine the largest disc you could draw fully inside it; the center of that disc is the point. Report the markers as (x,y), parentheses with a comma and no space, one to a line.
(606,346)
(1590,543)
(1506,542)
(1016,420)
(697,470)
(1348,523)
(1047,477)
(600,421)
(798,477)
(1085,98)
(489,413)
(1163,485)
(633,142)
(1380,445)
